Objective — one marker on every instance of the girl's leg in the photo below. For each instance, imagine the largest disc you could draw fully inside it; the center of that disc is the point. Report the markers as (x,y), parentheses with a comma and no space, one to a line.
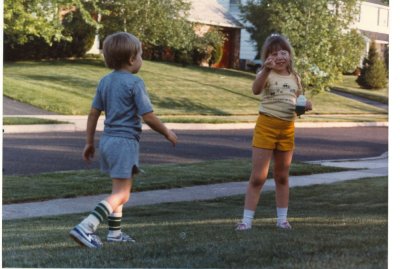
(282,159)
(260,163)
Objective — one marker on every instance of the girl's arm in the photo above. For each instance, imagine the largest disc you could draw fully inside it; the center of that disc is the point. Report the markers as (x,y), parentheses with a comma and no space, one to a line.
(261,77)
(260,81)
(155,124)
(89,149)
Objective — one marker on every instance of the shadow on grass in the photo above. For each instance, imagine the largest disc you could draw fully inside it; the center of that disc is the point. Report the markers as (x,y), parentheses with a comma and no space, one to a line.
(186,105)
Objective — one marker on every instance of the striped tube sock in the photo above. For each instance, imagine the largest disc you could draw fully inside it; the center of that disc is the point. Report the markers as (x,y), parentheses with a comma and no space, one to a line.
(114,224)
(100,213)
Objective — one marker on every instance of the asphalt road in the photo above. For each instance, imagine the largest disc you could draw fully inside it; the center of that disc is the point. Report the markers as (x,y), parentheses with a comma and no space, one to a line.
(12,107)
(25,154)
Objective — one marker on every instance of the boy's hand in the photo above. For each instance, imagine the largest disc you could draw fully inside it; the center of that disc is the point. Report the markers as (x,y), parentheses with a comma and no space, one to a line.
(171,137)
(88,152)
(308,106)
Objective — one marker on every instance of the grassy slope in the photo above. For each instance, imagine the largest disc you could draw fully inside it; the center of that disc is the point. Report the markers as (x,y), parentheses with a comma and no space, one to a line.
(67,87)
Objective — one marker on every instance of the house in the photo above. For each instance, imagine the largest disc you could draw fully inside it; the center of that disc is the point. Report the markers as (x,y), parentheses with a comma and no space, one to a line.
(248,47)
(210,13)
(373,23)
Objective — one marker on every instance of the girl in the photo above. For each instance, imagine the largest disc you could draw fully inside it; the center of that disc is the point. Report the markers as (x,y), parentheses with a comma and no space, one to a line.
(273,136)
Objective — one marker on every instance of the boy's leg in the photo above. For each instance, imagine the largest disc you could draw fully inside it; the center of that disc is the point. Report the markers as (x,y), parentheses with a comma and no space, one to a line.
(120,195)
(260,163)
(114,222)
(282,159)
(83,232)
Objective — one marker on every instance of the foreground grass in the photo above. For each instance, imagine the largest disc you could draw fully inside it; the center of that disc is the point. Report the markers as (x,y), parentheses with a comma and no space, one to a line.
(341,225)
(91,182)
(67,87)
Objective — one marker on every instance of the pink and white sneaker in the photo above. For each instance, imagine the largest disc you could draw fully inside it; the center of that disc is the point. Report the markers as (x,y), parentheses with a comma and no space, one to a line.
(241,226)
(284,225)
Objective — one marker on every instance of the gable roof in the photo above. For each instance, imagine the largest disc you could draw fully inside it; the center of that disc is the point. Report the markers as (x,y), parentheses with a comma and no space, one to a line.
(212,13)
(378,2)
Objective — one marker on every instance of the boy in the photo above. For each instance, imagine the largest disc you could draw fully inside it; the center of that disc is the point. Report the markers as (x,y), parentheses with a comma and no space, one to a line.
(123,98)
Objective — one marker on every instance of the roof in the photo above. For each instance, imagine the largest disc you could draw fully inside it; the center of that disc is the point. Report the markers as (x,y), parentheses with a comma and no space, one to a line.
(378,2)
(212,13)
(375,35)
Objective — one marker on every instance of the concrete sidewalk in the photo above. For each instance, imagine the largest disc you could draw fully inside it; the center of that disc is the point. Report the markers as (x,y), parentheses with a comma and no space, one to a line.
(370,167)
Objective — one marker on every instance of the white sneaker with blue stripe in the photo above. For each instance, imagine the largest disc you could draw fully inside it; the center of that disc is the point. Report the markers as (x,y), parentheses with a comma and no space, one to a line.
(89,240)
(123,237)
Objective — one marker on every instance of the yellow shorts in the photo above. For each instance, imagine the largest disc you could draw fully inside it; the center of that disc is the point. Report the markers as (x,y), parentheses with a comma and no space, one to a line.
(273,133)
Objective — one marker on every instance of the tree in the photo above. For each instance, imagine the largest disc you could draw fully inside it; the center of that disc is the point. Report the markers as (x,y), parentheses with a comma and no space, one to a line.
(373,74)
(160,25)
(154,22)
(318,31)
(27,20)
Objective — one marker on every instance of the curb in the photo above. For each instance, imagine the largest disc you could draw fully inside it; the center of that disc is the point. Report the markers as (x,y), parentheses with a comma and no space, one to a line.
(78,123)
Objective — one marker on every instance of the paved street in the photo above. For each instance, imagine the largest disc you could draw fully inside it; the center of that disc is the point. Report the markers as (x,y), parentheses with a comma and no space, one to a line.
(45,152)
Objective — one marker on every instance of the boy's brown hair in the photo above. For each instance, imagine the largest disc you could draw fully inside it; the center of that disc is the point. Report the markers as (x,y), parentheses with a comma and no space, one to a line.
(119,48)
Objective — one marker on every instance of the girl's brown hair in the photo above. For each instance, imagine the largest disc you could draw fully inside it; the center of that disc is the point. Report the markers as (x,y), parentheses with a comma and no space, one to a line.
(276,42)
(119,48)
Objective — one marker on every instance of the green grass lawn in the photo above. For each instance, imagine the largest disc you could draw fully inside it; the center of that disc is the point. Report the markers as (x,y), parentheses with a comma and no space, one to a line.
(91,182)
(67,87)
(342,225)
(349,85)
(28,121)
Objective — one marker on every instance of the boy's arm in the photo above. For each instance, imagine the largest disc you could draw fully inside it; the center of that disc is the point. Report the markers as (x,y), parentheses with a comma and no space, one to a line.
(89,149)
(155,124)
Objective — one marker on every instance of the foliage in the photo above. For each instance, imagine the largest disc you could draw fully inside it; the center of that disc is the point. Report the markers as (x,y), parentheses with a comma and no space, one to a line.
(208,46)
(154,22)
(161,26)
(25,21)
(318,32)
(373,74)
(386,58)
(82,36)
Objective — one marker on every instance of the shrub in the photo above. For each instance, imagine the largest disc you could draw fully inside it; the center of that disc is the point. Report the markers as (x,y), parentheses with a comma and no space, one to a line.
(37,48)
(373,73)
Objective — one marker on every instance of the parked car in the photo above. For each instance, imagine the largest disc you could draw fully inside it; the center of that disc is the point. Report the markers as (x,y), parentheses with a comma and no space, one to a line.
(254,65)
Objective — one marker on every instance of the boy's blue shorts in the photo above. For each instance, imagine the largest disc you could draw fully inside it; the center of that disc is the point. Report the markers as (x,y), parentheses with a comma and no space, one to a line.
(119,156)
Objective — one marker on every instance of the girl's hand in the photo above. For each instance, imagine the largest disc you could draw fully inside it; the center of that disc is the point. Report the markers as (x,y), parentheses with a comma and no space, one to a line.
(88,152)
(269,62)
(308,106)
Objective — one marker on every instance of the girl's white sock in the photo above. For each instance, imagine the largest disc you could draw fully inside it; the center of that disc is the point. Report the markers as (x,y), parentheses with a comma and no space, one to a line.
(248,216)
(281,213)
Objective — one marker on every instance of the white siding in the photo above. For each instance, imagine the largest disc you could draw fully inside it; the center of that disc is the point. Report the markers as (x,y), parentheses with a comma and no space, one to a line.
(247,45)
(373,18)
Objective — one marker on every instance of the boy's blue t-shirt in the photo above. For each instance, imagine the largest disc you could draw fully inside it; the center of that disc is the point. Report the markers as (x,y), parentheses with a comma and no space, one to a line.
(123,98)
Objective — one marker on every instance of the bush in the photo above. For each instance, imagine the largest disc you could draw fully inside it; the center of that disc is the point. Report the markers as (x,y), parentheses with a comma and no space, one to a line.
(37,48)
(373,73)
